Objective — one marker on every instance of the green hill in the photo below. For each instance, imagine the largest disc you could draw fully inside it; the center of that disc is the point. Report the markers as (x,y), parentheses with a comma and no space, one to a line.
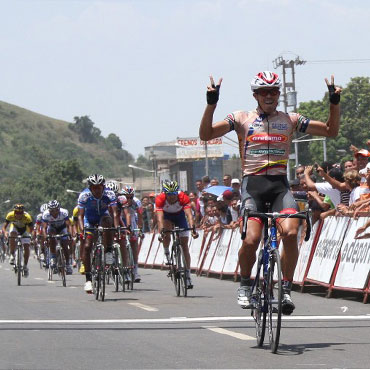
(26,138)
(41,157)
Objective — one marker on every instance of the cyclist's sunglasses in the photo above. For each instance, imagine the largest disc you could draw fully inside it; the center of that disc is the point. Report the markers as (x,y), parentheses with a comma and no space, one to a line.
(173,193)
(265,92)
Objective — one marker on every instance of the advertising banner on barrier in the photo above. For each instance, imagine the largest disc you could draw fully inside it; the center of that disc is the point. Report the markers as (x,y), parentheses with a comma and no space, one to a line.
(159,258)
(145,246)
(327,249)
(304,254)
(231,261)
(153,251)
(218,261)
(354,263)
(207,241)
(194,249)
(210,253)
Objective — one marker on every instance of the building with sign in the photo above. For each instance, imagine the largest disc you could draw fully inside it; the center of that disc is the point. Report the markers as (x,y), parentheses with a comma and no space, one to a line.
(185,160)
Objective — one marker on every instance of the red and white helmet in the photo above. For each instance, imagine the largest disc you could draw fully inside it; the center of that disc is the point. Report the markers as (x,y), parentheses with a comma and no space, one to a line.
(265,79)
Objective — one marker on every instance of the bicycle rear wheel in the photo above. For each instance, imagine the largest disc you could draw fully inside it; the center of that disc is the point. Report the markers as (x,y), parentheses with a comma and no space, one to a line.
(61,266)
(181,268)
(274,299)
(259,308)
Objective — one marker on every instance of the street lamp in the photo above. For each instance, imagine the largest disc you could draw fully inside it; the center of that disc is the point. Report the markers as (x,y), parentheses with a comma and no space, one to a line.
(72,191)
(145,170)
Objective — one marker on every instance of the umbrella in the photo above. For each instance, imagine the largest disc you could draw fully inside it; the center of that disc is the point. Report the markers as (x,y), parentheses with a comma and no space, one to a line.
(217,189)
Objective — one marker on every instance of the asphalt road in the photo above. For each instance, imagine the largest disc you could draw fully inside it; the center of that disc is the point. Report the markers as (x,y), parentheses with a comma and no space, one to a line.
(46,326)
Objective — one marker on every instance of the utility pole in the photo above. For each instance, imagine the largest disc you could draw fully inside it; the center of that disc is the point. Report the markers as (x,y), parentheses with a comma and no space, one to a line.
(289,93)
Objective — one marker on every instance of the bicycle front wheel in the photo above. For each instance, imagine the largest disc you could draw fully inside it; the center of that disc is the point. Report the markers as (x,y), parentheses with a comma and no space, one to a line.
(19,265)
(102,276)
(259,308)
(181,270)
(274,299)
(61,266)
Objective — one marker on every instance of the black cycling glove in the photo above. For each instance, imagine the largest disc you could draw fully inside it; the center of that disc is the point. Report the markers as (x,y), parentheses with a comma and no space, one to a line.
(213,95)
(333,97)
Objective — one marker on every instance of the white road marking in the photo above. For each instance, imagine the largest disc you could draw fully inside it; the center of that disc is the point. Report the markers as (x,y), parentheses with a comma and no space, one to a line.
(144,306)
(229,332)
(344,309)
(51,282)
(38,278)
(186,319)
(7,269)
(72,287)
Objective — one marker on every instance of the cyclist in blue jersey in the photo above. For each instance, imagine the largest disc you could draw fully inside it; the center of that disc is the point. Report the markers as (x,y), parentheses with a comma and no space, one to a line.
(93,210)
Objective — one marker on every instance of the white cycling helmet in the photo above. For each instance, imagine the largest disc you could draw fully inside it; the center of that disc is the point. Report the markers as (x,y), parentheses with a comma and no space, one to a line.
(95,180)
(53,204)
(44,207)
(265,79)
(112,186)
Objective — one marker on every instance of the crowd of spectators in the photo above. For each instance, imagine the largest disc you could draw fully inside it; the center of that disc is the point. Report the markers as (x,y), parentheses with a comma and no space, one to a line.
(329,189)
(343,189)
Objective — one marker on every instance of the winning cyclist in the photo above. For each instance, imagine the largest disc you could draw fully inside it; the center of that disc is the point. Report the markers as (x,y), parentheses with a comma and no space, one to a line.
(173,208)
(55,221)
(20,224)
(265,136)
(93,210)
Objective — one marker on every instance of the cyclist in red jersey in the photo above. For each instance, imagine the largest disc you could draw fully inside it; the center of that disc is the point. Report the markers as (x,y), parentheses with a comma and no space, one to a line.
(265,135)
(172,209)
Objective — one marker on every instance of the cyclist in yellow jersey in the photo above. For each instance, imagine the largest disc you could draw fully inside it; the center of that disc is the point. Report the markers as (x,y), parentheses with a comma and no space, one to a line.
(75,234)
(20,224)
(265,136)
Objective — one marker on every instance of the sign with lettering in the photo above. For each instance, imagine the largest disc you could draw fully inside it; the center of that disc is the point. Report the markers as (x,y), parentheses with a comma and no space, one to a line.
(327,249)
(354,258)
(195,148)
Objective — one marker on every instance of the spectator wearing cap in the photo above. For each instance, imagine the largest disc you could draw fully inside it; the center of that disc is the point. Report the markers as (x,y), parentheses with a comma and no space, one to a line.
(152,198)
(235,184)
(227,180)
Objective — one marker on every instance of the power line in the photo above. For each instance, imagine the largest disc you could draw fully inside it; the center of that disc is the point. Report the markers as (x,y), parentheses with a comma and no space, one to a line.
(323,61)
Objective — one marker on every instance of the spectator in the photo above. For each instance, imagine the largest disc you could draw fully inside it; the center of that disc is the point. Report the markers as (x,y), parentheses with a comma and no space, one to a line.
(348,165)
(299,171)
(206,182)
(194,203)
(234,210)
(146,214)
(227,180)
(210,219)
(235,184)
(152,198)
(214,182)
(200,186)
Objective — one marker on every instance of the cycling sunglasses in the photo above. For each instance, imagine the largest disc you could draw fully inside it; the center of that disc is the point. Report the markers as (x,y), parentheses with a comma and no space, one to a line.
(265,92)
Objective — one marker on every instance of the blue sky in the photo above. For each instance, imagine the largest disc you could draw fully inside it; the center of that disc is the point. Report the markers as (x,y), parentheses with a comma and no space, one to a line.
(140,68)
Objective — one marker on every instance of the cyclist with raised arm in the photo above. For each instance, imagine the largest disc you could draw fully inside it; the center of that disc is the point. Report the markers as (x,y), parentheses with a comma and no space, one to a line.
(173,208)
(55,221)
(20,224)
(265,135)
(93,210)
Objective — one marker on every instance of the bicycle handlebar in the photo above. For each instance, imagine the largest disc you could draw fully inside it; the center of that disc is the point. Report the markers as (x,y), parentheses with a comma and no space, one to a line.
(57,236)
(275,215)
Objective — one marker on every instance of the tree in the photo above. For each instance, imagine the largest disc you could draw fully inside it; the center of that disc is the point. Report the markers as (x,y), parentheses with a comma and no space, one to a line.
(85,129)
(354,125)
(114,141)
